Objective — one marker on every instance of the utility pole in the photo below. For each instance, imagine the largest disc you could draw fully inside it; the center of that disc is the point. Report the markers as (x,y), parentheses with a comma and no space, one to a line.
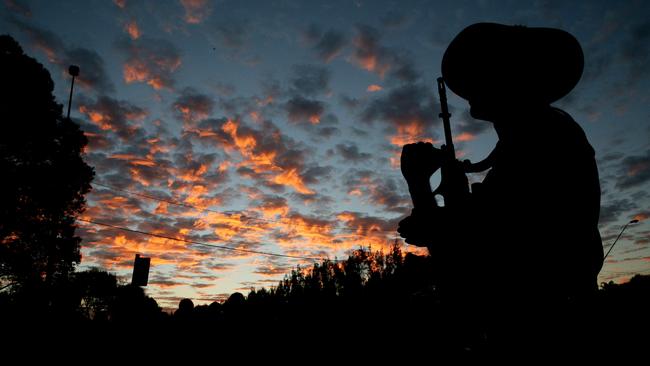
(73,70)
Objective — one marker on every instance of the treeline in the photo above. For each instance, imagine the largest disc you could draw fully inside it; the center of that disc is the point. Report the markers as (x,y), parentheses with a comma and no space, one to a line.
(367,281)
(370,296)
(368,284)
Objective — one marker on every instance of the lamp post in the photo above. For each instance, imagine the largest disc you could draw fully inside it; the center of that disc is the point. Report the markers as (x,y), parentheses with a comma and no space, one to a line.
(73,70)
(619,235)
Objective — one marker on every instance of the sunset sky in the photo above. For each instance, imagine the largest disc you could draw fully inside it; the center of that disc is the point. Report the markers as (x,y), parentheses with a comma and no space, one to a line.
(276,126)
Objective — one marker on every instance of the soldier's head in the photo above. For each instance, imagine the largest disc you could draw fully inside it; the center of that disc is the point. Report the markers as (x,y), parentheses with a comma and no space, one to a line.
(502,69)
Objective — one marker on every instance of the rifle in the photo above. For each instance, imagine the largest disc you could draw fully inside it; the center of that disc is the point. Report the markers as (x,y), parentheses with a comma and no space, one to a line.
(454,187)
(444,114)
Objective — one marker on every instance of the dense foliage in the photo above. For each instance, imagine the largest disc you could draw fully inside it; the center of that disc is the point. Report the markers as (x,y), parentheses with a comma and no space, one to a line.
(44,182)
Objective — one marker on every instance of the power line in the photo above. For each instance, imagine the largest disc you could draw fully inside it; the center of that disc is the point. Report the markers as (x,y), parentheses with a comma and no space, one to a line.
(113,188)
(199,243)
(155,198)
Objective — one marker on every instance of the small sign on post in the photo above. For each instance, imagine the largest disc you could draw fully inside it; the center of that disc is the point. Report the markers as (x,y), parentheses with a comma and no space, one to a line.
(140,271)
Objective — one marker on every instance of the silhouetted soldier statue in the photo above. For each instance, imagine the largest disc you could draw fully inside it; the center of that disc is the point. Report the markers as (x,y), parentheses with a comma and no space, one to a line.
(526,238)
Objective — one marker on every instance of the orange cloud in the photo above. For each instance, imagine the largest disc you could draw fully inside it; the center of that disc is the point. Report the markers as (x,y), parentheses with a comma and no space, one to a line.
(150,61)
(264,102)
(132,29)
(366,230)
(185,111)
(110,114)
(273,207)
(370,63)
(255,116)
(395,159)
(161,251)
(295,233)
(138,71)
(95,117)
(118,203)
(135,71)
(374,88)
(345,216)
(227,226)
(272,270)
(305,232)
(161,208)
(132,159)
(262,161)
(408,133)
(355,192)
(292,178)
(369,54)
(156,145)
(164,284)
(223,166)
(190,190)
(194,175)
(156,83)
(244,143)
(314,119)
(465,136)
(305,236)
(192,106)
(196,11)
(194,198)
(138,176)
(634,169)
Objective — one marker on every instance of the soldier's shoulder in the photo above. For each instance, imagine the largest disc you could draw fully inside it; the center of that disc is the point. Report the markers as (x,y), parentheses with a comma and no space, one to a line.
(569,132)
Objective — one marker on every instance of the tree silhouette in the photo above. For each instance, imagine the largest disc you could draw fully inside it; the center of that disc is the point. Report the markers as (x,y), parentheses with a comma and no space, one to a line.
(185,310)
(131,305)
(45,179)
(95,291)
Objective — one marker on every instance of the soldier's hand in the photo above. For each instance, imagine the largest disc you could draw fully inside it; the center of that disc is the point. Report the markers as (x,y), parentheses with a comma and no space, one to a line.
(416,230)
(419,161)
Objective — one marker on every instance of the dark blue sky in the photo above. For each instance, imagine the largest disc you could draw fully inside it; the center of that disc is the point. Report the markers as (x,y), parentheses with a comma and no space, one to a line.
(281,122)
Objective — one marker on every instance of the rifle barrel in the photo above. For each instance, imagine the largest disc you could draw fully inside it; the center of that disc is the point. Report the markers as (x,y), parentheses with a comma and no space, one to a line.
(444,114)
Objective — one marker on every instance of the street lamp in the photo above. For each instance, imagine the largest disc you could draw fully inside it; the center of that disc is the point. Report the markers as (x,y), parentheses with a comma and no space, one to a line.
(619,235)
(73,70)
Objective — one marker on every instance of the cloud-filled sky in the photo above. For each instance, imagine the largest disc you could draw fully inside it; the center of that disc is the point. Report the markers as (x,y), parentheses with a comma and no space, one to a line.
(276,126)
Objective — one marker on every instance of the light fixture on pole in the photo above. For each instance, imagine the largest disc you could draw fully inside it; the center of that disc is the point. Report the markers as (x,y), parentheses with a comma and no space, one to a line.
(73,70)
